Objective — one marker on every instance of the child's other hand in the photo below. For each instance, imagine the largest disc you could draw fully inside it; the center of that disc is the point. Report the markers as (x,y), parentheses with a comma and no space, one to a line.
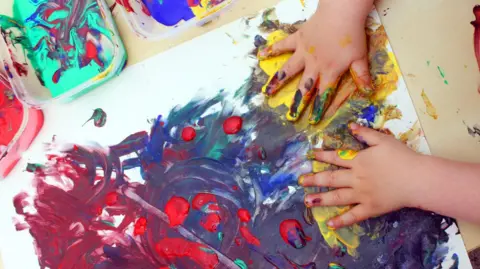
(378,180)
(325,47)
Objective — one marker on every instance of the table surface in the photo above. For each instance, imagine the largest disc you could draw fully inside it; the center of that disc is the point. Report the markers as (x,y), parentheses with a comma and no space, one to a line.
(425,34)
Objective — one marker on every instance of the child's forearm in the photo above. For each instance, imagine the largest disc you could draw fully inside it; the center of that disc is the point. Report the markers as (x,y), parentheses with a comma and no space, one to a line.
(449,188)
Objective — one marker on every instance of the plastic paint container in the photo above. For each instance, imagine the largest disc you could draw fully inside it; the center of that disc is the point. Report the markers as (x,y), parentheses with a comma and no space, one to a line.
(157,19)
(59,50)
(19,125)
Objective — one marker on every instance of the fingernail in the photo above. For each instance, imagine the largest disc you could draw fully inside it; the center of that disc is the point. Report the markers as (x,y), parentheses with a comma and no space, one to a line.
(265,52)
(309,84)
(353,126)
(330,224)
(273,84)
(281,75)
(308,204)
(347,154)
(296,103)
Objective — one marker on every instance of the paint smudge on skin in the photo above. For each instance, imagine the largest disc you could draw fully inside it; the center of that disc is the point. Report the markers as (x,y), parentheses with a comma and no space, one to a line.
(431,110)
(221,174)
(347,154)
(293,234)
(99,118)
(233,125)
(347,40)
(442,74)
(188,134)
(177,209)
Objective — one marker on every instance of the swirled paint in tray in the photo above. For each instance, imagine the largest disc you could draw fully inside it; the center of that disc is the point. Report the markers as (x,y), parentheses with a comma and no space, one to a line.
(67,46)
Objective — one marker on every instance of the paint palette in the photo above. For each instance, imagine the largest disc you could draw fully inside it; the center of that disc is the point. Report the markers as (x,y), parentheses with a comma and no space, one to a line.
(19,125)
(59,50)
(156,19)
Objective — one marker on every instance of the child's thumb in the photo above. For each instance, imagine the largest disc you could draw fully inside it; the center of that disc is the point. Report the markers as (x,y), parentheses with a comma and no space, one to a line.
(366,135)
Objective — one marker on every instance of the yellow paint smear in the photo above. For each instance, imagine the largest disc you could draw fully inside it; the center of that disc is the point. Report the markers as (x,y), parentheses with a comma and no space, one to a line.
(205,9)
(385,73)
(431,110)
(347,40)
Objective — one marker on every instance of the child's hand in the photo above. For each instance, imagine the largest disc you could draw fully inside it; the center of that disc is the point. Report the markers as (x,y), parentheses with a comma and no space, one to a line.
(326,46)
(378,180)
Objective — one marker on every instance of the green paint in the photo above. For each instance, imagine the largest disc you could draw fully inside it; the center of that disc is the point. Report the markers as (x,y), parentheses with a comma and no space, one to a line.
(34,167)
(64,53)
(207,250)
(108,223)
(321,104)
(241,264)
(442,73)
(333,265)
(428,63)
(220,236)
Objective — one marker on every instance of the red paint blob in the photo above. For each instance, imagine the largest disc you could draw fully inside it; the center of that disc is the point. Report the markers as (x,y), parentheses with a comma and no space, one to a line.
(111,198)
(188,134)
(201,199)
(249,237)
(232,125)
(91,50)
(237,241)
(235,188)
(177,209)
(211,222)
(171,248)
(292,233)
(140,226)
(244,215)
(21,69)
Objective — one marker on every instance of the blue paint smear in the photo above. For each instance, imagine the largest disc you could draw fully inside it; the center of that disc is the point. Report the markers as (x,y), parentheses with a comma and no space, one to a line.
(169,12)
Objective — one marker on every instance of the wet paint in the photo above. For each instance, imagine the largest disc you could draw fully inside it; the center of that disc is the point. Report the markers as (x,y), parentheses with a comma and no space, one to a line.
(333,265)
(293,234)
(241,264)
(244,215)
(431,110)
(173,12)
(211,222)
(232,125)
(68,43)
(442,74)
(140,226)
(177,209)
(174,248)
(188,134)
(248,236)
(219,174)
(347,154)
(99,118)
(19,125)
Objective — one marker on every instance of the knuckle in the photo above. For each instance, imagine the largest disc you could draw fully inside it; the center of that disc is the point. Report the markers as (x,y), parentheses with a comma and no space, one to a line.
(331,178)
(336,197)
(353,217)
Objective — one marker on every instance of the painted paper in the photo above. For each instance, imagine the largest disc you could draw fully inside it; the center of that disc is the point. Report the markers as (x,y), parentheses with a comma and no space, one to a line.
(202,172)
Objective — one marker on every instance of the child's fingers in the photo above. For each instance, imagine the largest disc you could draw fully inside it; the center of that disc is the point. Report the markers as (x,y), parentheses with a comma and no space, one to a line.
(333,179)
(288,71)
(338,197)
(367,135)
(326,91)
(333,157)
(304,93)
(288,44)
(355,215)
(361,76)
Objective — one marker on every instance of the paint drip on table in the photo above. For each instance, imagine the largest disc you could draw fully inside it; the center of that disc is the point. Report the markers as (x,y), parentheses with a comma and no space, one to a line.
(60,48)
(218,188)
(158,18)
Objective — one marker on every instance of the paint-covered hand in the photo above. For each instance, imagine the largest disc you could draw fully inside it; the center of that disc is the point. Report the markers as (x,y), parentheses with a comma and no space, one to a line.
(326,46)
(378,180)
